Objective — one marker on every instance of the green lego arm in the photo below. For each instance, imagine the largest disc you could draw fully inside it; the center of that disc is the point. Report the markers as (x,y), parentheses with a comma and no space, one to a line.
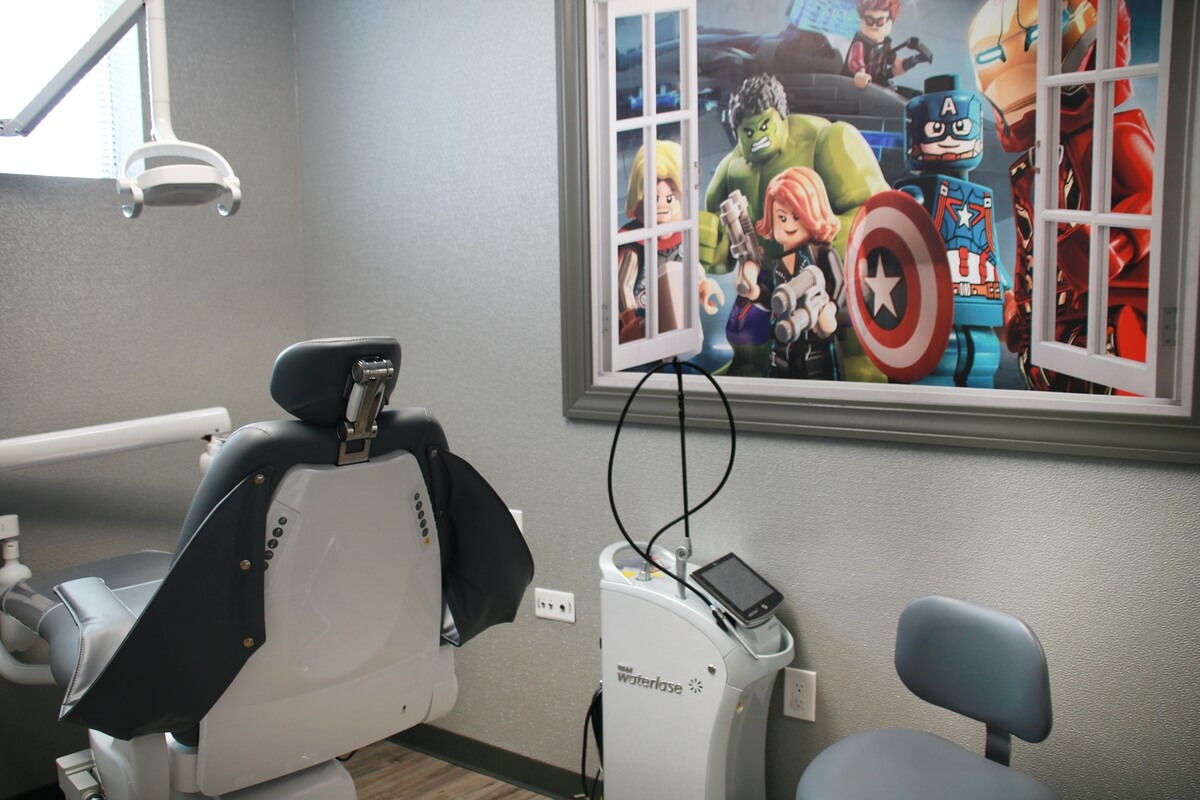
(851,173)
(714,244)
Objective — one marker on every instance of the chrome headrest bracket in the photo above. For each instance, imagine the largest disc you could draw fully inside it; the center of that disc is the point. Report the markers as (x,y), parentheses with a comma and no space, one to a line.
(368,380)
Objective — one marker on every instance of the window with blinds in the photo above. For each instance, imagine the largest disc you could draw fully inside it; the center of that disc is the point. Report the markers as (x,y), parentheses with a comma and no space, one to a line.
(101,118)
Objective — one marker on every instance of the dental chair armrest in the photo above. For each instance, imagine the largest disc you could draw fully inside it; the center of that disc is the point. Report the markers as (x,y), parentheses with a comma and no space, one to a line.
(103,622)
(19,672)
(490,566)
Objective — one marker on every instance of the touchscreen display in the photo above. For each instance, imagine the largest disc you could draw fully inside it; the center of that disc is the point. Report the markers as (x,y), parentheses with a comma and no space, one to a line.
(738,583)
(746,595)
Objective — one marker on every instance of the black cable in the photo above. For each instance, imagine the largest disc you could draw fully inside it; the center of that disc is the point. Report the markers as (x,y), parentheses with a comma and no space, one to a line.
(724,478)
(720,486)
(645,554)
(593,708)
(583,754)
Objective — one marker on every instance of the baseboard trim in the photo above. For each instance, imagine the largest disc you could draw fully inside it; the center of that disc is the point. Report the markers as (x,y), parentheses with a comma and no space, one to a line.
(48,792)
(533,776)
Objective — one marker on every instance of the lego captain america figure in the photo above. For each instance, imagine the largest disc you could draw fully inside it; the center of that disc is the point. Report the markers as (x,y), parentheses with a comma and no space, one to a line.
(944,142)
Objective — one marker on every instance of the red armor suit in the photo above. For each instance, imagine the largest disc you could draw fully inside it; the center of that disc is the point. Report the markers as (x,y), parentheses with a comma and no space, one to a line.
(1128,272)
(1132,185)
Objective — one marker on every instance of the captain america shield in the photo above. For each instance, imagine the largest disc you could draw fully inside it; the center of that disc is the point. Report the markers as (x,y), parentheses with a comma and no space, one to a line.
(899,295)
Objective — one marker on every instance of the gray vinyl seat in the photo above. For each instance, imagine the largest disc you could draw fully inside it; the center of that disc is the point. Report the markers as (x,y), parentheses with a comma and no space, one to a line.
(968,658)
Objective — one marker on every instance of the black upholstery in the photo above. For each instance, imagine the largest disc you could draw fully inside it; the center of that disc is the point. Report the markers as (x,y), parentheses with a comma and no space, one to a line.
(485,564)
(310,379)
(206,618)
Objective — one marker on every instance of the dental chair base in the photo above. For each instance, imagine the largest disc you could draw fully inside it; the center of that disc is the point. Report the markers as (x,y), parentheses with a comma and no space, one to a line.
(77,780)
(684,703)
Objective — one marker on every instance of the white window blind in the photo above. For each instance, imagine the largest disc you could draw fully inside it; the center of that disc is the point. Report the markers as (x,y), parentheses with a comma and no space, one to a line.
(86,135)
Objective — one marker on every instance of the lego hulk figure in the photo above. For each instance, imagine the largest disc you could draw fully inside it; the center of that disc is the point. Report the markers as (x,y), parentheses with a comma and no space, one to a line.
(770,141)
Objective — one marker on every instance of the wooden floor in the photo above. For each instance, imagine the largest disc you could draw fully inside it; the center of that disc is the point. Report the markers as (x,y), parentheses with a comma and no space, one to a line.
(387,771)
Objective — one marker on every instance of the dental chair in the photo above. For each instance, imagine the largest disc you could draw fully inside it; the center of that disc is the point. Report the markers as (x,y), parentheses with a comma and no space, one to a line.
(325,572)
(970,659)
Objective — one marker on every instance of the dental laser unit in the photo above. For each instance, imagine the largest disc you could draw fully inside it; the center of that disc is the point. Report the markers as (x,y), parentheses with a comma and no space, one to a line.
(685,700)
(688,654)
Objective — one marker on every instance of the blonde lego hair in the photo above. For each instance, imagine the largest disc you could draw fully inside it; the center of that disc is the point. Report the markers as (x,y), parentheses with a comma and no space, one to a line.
(668,166)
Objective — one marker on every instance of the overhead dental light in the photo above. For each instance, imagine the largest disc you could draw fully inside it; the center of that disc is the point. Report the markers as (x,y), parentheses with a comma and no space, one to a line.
(203,175)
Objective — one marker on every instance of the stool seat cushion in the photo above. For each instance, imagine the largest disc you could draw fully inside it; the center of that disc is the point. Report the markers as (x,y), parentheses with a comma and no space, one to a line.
(901,764)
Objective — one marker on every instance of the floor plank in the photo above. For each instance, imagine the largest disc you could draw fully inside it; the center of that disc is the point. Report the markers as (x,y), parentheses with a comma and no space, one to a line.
(387,771)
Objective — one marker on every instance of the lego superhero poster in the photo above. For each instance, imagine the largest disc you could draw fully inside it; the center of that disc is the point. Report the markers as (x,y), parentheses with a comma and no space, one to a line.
(866,190)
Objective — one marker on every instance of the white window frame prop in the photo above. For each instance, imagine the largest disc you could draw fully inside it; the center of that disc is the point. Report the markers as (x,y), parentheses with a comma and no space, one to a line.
(656,344)
(1093,362)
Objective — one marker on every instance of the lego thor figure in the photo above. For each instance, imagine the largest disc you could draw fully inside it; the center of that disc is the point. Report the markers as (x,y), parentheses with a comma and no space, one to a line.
(668,207)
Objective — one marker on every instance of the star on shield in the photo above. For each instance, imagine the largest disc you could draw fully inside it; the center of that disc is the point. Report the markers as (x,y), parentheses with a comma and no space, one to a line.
(881,286)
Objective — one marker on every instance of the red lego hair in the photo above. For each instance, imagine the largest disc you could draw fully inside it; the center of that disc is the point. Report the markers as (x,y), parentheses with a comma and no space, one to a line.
(802,190)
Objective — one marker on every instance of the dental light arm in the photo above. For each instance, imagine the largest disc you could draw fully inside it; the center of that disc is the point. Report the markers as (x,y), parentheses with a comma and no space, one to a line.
(112,437)
(178,184)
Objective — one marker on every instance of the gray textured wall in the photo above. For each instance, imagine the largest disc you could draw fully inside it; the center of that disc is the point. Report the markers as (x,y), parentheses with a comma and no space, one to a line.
(430,183)
(427,164)
(104,319)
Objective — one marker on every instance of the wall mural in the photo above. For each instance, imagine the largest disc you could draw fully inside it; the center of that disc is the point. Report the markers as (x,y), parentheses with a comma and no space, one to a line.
(867,177)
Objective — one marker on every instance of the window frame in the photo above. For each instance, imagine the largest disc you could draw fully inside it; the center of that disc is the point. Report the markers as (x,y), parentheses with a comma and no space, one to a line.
(991,419)
(655,343)
(1092,362)
(119,85)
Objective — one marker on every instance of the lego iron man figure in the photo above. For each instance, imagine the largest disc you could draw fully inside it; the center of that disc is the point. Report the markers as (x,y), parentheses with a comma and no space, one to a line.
(1003,39)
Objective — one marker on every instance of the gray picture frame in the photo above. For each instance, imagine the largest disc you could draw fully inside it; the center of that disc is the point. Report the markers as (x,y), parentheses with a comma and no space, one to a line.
(1100,433)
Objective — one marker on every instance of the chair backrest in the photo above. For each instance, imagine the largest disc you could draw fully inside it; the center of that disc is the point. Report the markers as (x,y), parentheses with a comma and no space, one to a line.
(353,613)
(977,661)
(323,561)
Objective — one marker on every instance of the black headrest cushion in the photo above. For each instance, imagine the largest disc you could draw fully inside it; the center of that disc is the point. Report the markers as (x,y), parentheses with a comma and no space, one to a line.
(311,379)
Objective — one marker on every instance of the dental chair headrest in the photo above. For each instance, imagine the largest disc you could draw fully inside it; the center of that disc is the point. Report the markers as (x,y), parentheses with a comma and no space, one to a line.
(311,380)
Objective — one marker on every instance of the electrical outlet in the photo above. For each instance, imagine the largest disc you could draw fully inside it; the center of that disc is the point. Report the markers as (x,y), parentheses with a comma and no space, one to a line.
(800,694)
(549,604)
